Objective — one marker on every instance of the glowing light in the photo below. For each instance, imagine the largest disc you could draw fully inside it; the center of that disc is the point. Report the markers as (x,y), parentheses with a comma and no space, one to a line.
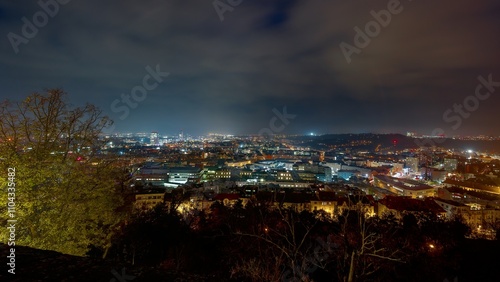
(432,246)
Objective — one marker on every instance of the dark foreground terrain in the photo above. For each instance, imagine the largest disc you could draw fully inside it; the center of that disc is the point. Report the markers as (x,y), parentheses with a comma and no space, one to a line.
(42,265)
(480,262)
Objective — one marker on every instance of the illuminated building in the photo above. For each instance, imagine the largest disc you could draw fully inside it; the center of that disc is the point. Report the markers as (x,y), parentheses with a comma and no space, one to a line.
(450,164)
(404,187)
(412,164)
(148,200)
(154,138)
(184,175)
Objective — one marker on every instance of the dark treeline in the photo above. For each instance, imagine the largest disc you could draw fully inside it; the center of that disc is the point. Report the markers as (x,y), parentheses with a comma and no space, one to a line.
(403,142)
(257,243)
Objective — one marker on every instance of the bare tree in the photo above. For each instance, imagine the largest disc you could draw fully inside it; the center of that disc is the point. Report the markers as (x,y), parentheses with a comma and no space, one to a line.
(290,250)
(365,247)
(66,198)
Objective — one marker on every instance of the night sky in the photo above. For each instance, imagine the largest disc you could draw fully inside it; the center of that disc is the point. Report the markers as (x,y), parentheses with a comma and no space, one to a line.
(228,70)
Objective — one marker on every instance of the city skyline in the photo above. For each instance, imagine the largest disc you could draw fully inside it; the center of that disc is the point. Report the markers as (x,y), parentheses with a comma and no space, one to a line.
(384,66)
(162,134)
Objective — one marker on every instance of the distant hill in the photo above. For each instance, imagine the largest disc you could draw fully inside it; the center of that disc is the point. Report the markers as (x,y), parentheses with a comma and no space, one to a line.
(370,141)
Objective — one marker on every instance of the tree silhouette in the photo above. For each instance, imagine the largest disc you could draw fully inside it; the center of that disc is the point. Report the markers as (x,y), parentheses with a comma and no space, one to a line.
(65,197)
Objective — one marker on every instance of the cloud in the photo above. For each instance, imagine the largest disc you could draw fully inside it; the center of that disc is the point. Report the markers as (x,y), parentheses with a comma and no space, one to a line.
(231,74)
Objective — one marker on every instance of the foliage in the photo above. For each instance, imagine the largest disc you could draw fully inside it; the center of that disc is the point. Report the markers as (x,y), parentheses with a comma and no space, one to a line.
(65,196)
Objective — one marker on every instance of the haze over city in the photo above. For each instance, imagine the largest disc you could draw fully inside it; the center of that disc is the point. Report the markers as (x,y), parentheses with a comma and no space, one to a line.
(230,66)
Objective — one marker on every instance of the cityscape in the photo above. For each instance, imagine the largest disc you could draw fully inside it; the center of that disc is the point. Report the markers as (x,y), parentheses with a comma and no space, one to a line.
(250,141)
(461,182)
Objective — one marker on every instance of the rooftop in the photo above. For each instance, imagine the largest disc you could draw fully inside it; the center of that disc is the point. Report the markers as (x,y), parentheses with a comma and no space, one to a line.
(401,183)
(413,205)
(185,169)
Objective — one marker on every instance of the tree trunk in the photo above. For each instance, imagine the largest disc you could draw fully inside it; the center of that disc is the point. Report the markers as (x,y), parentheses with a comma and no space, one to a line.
(105,254)
(351,268)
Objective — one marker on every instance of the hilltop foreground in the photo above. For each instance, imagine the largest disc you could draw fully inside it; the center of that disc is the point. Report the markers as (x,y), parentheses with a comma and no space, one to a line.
(479,263)
(43,265)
